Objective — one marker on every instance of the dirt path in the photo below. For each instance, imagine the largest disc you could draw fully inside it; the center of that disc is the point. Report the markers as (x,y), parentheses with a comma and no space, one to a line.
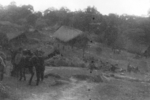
(74,89)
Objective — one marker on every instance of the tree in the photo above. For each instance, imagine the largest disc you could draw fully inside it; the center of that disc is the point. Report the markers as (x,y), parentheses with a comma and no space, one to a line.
(111,30)
(149,12)
(82,42)
(13,13)
(136,35)
(40,23)
(145,26)
(31,19)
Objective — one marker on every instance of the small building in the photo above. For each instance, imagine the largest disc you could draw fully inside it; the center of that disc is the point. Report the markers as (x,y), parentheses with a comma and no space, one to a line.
(26,38)
(65,34)
(10,29)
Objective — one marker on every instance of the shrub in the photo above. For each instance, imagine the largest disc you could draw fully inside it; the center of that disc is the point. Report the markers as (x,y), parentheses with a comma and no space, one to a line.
(61,63)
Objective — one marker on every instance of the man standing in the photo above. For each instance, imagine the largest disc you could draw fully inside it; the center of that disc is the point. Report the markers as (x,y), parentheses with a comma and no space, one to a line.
(2,68)
(16,62)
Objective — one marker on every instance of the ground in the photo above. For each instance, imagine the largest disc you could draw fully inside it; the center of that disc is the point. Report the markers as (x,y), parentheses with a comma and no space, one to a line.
(70,83)
(63,84)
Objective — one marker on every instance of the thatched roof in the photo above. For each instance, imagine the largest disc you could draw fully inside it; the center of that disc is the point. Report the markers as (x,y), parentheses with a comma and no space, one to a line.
(12,30)
(11,35)
(65,33)
(30,35)
(7,23)
(24,38)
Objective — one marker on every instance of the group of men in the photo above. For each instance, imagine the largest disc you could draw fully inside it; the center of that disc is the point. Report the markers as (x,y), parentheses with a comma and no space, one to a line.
(18,55)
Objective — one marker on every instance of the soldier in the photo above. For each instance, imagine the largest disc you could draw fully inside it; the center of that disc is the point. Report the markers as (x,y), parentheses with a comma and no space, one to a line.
(2,68)
(13,56)
(18,56)
(38,62)
(17,61)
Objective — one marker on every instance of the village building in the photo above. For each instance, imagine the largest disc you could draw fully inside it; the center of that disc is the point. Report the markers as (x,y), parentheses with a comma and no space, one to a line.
(65,35)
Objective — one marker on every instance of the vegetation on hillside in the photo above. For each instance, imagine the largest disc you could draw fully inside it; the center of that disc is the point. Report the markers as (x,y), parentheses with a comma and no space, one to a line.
(123,32)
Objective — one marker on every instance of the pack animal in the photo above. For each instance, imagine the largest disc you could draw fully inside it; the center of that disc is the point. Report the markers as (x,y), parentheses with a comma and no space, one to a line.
(13,54)
(30,61)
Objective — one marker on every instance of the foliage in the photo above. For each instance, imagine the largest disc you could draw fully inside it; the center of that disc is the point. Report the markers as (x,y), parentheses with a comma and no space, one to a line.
(4,41)
(81,42)
(111,29)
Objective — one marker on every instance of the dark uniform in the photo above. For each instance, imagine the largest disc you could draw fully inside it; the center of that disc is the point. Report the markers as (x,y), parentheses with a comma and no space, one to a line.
(38,61)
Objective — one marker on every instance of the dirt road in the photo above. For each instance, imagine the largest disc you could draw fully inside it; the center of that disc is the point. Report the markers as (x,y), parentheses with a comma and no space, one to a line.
(69,88)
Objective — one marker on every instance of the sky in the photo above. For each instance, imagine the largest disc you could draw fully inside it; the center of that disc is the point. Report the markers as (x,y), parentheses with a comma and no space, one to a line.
(131,7)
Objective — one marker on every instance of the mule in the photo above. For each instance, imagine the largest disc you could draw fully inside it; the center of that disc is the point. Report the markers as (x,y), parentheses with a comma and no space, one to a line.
(14,71)
(35,61)
(24,64)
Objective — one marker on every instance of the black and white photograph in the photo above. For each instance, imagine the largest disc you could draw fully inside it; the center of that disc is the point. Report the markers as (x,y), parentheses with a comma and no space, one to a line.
(74,49)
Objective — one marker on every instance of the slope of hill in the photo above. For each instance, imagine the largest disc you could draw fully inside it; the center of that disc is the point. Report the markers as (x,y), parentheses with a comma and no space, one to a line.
(107,55)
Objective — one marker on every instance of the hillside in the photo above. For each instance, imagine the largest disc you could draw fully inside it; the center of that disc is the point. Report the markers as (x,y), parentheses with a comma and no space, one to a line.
(107,55)
(68,81)
(119,46)
(44,41)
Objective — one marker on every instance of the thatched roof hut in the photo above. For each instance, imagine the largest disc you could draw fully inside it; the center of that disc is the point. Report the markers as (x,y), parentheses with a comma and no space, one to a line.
(26,38)
(65,33)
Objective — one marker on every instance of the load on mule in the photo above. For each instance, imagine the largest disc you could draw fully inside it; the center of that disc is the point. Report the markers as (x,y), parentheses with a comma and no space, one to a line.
(31,60)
